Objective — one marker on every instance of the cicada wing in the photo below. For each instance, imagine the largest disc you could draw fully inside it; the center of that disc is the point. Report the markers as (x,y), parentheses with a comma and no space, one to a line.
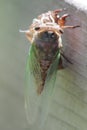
(32,99)
(48,89)
(37,106)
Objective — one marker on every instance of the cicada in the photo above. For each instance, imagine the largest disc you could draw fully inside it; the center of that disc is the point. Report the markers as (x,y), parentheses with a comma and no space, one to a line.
(44,59)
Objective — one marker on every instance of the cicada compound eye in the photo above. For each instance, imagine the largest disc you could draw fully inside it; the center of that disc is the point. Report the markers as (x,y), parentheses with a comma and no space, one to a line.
(37,28)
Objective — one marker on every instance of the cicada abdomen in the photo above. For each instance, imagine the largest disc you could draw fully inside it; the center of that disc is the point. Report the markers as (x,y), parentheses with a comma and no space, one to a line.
(44,59)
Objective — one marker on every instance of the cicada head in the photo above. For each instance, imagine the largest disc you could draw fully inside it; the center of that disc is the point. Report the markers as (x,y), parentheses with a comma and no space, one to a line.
(41,35)
(45,29)
(48,27)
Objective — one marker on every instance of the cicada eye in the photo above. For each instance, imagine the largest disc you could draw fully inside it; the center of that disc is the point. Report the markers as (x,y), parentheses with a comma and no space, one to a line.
(61,31)
(37,28)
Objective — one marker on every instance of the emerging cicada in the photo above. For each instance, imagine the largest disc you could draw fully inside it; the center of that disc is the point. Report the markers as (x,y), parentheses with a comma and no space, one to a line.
(44,59)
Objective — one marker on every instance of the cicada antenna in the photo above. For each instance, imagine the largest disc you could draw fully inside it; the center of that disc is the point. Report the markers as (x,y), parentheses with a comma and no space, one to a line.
(24,31)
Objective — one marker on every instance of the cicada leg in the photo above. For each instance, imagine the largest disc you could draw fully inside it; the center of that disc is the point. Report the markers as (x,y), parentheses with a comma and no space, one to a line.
(63,55)
(62,20)
(58,10)
(61,66)
(72,27)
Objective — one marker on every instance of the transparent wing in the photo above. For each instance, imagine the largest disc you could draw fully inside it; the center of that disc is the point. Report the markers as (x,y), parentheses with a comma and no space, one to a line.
(48,89)
(37,105)
(32,99)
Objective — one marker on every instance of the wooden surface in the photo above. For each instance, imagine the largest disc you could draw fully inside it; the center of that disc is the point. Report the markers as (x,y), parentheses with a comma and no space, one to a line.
(69,106)
(68,109)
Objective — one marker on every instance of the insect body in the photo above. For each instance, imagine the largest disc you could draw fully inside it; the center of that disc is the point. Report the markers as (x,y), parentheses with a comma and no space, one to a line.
(44,60)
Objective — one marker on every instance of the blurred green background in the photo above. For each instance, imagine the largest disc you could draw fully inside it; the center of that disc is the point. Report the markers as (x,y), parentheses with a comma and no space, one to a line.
(15,15)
